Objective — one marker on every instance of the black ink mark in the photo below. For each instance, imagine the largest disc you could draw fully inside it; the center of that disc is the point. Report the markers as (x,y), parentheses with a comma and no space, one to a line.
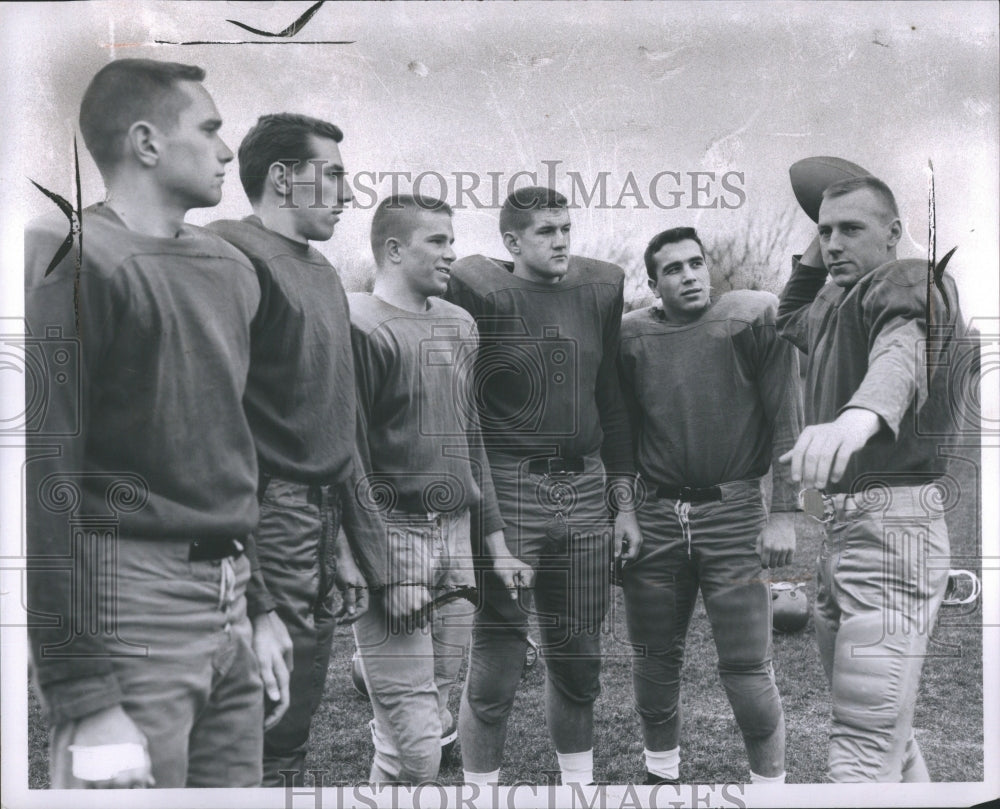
(291,30)
(935,273)
(67,210)
(876,42)
(245,42)
(75,218)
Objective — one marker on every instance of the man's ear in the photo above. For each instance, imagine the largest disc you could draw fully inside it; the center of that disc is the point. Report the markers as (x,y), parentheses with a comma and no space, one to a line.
(653,287)
(279,176)
(142,140)
(392,250)
(895,233)
(511,242)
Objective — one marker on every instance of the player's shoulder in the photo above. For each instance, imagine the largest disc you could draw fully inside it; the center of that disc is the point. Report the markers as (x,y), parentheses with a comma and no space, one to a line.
(365,311)
(597,271)
(481,274)
(747,305)
(446,309)
(213,245)
(248,236)
(235,231)
(638,322)
(906,272)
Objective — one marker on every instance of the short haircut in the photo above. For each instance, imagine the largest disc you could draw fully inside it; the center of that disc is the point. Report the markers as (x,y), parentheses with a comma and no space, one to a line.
(520,206)
(394,219)
(279,138)
(873,184)
(671,236)
(125,91)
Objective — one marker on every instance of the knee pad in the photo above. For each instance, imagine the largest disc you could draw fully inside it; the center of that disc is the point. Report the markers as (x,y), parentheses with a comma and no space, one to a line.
(415,766)
(754,699)
(577,679)
(493,678)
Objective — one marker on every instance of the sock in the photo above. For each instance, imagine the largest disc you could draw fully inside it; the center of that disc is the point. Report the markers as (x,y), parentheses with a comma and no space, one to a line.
(577,768)
(664,763)
(766,779)
(482,779)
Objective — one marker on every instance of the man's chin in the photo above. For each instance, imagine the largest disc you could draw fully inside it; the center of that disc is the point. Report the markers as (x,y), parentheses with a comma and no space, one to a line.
(845,279)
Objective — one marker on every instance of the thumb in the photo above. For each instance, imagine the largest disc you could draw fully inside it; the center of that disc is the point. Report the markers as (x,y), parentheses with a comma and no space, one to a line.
(350,600)
(786,457)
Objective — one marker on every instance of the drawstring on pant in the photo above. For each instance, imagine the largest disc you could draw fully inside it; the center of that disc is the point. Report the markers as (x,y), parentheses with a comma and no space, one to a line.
(682,508)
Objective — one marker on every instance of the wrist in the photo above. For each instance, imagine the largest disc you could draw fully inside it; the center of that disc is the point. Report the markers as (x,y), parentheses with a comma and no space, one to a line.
(860,420)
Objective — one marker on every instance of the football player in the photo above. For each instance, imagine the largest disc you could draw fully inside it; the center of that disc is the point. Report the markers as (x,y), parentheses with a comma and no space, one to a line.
(427,476)
(875,419)
(552,418)
(714,397)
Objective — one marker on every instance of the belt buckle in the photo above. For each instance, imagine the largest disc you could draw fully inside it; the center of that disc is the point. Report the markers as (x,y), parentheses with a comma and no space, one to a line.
(817,505)
(549,471)
(685,493)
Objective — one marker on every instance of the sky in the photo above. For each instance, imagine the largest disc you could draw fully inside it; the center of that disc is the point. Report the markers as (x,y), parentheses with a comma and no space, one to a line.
(626,89)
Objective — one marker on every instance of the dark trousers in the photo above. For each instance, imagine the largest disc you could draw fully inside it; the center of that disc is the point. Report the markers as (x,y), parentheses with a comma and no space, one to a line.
(295,536)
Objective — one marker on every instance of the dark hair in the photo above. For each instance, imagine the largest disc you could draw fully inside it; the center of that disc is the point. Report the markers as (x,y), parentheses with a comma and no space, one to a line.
(394,218)
(873,184)
(279,138)
(671,236)
(125,91)
(519,207)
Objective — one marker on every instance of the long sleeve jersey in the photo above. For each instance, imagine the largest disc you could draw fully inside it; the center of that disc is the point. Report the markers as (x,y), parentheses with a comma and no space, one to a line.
(546,373)
(867,348)
(300,400)
(300,391)
(417,425)
(148,393)
(715,400)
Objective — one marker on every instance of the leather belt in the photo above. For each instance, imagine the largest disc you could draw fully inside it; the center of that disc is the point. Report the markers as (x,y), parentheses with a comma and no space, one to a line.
(206,550)
(690,494)
(556,466)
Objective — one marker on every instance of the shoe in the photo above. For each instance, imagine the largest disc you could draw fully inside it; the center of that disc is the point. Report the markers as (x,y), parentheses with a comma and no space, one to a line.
(652,780)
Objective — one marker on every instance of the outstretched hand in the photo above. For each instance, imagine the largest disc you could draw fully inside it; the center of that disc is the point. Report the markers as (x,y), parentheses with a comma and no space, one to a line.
(821,454)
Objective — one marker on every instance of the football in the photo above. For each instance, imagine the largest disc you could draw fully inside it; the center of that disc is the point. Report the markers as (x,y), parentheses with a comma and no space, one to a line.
(813,175)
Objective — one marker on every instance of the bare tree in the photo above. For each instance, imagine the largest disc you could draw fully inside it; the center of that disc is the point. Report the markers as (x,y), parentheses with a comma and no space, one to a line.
(755,256)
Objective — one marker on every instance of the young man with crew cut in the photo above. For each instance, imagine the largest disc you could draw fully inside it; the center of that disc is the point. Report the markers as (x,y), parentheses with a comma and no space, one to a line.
(553,423)
(879,339)
(713,393)
(301,407)
(143,651)
(429,479)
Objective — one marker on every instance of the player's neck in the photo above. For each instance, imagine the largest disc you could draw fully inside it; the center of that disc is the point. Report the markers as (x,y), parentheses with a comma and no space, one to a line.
(522,270)
(279,221)
(144,211)
(397,293)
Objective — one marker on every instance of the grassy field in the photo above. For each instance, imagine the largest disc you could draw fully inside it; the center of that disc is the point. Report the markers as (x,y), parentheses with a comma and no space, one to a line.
(948,722)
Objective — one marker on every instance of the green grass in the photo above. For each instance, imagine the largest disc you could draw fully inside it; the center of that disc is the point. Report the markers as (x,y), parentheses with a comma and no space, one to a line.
(948,719)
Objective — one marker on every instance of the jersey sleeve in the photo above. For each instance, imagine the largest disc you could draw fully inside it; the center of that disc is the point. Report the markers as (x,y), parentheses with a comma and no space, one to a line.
(364,525)
(487,512)
(793,308)
(64,312)
(616,448)
(780,390)
(894,311)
